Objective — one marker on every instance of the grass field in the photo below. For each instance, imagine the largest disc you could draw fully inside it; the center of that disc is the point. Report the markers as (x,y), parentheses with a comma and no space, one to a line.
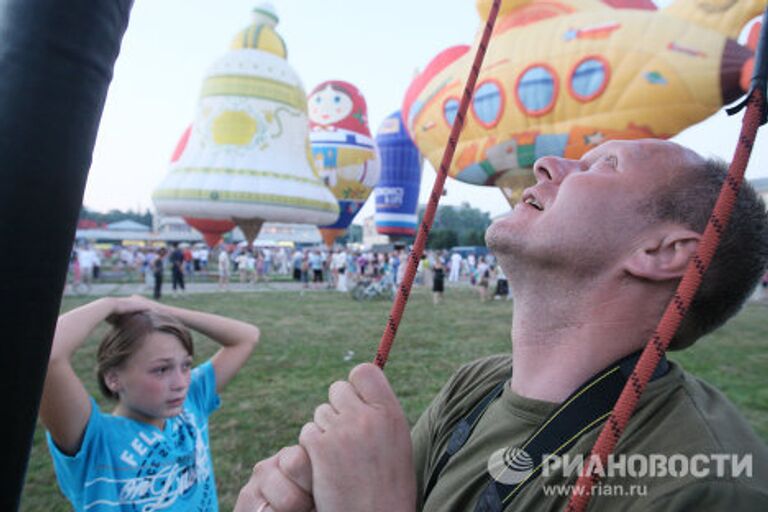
(305,339)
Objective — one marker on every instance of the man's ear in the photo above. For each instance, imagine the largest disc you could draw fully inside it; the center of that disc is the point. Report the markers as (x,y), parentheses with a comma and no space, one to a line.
(664,256)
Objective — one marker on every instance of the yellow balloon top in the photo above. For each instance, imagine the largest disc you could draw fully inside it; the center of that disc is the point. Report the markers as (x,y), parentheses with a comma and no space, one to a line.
(261,34)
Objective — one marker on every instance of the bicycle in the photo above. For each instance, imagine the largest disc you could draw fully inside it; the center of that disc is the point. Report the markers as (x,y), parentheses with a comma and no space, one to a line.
(368,289)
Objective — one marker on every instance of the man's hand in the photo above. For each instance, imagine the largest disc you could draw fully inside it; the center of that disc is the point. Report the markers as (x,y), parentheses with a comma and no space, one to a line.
(281,483)
(360,447)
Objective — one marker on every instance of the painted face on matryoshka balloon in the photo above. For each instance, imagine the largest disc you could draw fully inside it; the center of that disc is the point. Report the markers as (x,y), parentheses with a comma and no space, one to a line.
(329,105)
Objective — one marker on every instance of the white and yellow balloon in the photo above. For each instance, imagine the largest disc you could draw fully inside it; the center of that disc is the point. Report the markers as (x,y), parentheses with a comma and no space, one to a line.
(248,158)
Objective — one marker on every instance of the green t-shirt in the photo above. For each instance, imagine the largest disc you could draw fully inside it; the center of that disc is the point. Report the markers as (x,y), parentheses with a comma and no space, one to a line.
(677,414)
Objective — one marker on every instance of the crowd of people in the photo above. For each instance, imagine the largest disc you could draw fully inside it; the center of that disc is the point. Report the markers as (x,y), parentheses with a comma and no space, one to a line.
(182,261)
(337,267)
(314,267)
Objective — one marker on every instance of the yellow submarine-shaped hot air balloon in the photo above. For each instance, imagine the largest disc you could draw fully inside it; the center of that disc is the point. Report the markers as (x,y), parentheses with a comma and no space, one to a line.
(562,76)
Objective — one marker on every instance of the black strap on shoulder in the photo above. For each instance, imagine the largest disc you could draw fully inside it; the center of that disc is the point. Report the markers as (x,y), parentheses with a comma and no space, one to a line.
(584,410)
(461,434)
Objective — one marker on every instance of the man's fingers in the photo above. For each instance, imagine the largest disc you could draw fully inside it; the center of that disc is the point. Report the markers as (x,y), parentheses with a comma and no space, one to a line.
(309,435)
(250,498)
(343,397)
(264,466)
(284,495)
(371,384)
(325,416)
(295,464)
(279,484)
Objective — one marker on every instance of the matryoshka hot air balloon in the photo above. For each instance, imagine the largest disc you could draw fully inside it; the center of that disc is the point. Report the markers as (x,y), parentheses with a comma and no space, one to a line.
(562,76)
(248,158)
(344,153)
(397,194)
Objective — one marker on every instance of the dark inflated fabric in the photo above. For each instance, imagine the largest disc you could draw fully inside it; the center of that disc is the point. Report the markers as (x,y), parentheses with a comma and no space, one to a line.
(56,61)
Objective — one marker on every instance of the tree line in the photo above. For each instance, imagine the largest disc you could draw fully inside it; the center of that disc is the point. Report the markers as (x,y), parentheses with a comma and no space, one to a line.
(115,215)
(457,225)
(453,226)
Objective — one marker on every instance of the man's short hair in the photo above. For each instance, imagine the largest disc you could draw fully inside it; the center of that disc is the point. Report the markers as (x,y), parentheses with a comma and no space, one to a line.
(741,257)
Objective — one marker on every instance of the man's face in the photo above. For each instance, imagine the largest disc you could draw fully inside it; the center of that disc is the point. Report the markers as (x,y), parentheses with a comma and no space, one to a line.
(585,213)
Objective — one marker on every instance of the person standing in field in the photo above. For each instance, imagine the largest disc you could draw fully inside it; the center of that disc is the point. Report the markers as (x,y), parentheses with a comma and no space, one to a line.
(224,265)
(438,281)
(483,278)
(455,267)
(177,270)
(242,265)
(157,273)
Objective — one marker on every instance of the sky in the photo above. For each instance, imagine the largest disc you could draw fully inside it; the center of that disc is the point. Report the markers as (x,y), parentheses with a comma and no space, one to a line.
(376,45)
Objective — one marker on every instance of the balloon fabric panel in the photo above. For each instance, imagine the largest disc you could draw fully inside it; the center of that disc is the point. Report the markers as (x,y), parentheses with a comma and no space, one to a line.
(397,193)
(561,77)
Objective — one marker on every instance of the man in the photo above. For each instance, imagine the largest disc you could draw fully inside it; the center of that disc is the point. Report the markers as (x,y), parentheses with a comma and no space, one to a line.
(395,259)
(316,262)
(87,258)
(157,272)
(204,254)
(224,264)
(455,267)
(267,262)
(189,266)
(339,270)
(176,260)
(594,252)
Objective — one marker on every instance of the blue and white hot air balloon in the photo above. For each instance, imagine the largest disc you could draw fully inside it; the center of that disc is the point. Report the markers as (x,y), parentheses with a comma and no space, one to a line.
(397,194)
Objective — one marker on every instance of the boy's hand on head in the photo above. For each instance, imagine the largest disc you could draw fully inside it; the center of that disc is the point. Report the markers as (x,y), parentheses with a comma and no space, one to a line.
(360,447)
(281,483)
(127,305)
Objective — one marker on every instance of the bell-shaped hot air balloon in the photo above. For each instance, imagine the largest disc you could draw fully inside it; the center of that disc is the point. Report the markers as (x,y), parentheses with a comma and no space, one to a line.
(562,76)
(211,229)
(397,194)
(343,149)
(248,158)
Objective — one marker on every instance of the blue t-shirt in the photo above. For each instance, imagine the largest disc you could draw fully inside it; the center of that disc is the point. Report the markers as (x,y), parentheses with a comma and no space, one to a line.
(315,261)
(127,465)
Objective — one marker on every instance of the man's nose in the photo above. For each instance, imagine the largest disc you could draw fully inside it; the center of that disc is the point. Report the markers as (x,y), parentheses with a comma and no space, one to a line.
(553,169)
